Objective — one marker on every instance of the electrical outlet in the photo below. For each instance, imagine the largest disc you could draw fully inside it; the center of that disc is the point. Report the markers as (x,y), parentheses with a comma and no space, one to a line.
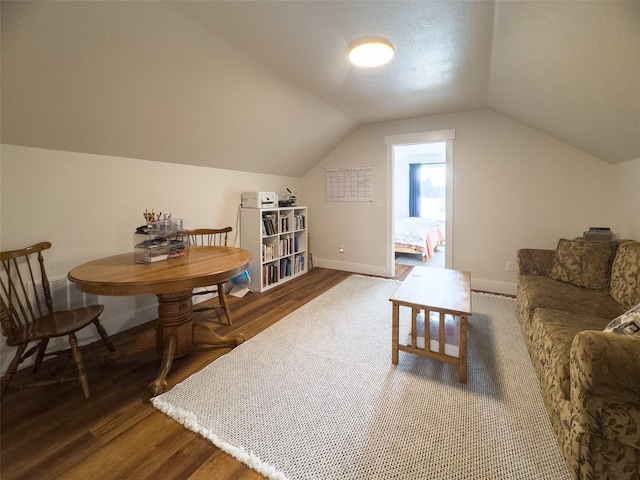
(509,266)
(341,249)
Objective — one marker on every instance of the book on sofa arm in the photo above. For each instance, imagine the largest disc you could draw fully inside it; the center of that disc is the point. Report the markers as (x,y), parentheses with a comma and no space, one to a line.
(598,234)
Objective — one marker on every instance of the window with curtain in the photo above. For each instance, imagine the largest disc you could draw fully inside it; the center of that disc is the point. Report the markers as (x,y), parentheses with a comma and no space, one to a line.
(433,190)
(415,189)
(427,190)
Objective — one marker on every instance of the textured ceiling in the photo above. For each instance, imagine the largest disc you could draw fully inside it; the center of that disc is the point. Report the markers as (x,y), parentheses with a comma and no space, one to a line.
(265,87)
(443,50)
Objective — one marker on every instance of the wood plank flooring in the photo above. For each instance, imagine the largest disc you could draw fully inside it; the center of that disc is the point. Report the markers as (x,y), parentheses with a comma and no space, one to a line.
(54,433)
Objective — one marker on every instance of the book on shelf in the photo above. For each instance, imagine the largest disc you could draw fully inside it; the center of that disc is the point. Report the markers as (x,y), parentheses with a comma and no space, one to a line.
(268,252)
(269,274)
(284,224)
(299,222)
(298,264)
(269,224)
(284,247)
(285,267)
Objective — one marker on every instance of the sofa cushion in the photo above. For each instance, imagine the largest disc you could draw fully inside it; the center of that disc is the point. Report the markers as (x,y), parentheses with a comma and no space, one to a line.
(553,333)
(535,261)
(583,263)
(625,274)
(627,324)
(535,291)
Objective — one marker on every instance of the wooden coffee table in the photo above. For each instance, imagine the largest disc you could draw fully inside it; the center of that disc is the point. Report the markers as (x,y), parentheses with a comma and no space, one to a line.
(446,292)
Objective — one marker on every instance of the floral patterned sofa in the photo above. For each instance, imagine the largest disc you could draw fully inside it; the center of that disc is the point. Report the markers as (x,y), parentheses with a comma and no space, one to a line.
(590,378)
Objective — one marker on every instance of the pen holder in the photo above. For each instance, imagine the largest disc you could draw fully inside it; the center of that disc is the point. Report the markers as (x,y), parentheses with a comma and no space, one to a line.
(166,226)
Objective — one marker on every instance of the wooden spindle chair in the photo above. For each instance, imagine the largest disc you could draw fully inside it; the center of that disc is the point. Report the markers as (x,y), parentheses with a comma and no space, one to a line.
(209,237)
(27,314)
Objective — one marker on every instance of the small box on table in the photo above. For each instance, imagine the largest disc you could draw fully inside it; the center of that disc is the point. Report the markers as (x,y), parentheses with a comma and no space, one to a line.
(156,245)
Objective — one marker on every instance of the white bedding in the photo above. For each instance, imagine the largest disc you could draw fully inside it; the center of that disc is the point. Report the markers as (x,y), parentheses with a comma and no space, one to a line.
(413,231)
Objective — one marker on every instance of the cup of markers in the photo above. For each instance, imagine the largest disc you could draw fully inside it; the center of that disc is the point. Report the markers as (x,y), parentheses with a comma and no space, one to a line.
(163,222)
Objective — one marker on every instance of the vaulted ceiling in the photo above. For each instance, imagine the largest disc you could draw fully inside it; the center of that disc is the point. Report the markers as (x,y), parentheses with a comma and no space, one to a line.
(264,86)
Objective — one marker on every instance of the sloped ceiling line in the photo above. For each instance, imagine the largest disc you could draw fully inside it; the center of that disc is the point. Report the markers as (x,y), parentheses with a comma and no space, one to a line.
(265,87)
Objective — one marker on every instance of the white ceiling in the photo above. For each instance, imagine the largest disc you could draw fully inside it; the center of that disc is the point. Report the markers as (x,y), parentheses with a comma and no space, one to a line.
(264,86)
(443,50)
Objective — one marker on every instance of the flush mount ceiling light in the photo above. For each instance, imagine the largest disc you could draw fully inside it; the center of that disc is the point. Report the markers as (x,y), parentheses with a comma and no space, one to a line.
(371,53)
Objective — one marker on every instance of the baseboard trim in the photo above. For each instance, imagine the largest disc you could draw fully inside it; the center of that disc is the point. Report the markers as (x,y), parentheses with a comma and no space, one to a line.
(484,285)
(361,268)
(493,286)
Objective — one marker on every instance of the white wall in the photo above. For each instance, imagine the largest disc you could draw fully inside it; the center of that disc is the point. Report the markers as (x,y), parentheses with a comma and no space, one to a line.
(626,194)
(142,80)
(514,187)
(88,206)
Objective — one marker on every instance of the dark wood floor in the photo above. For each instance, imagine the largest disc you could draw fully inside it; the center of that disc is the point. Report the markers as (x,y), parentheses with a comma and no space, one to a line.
(54,433)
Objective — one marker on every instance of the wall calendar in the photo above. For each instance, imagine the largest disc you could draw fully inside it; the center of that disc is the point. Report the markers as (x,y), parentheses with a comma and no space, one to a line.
(348,184)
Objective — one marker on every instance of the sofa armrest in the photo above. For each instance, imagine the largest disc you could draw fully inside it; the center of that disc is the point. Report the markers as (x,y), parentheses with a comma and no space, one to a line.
(605,385)
(535,261)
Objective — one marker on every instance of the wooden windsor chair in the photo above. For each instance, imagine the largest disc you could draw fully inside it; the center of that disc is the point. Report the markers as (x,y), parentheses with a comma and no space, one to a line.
(27,314)
(209,237)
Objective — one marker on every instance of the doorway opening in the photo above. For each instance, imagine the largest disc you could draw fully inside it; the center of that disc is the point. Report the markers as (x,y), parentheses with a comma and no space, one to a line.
(421,193)
(419,213)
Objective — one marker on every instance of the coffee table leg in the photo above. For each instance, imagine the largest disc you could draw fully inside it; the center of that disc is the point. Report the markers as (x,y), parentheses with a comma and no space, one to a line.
(395,333)
(462,374)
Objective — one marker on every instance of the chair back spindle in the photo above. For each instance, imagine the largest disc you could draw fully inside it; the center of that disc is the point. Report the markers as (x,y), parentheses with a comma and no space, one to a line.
(27,315)
(211,237)
(24,288)
(208,237)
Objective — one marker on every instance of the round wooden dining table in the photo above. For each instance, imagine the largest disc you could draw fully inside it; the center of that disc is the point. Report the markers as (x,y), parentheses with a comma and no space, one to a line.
(172,281)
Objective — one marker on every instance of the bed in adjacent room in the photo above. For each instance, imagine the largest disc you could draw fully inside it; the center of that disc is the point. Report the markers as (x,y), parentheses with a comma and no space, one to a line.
(419,236)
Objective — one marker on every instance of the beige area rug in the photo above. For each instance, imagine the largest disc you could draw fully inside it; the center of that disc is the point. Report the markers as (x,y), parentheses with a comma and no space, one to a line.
(315,396)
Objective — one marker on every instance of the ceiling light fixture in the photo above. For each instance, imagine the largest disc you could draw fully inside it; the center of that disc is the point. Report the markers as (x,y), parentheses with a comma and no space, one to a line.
(371,53)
